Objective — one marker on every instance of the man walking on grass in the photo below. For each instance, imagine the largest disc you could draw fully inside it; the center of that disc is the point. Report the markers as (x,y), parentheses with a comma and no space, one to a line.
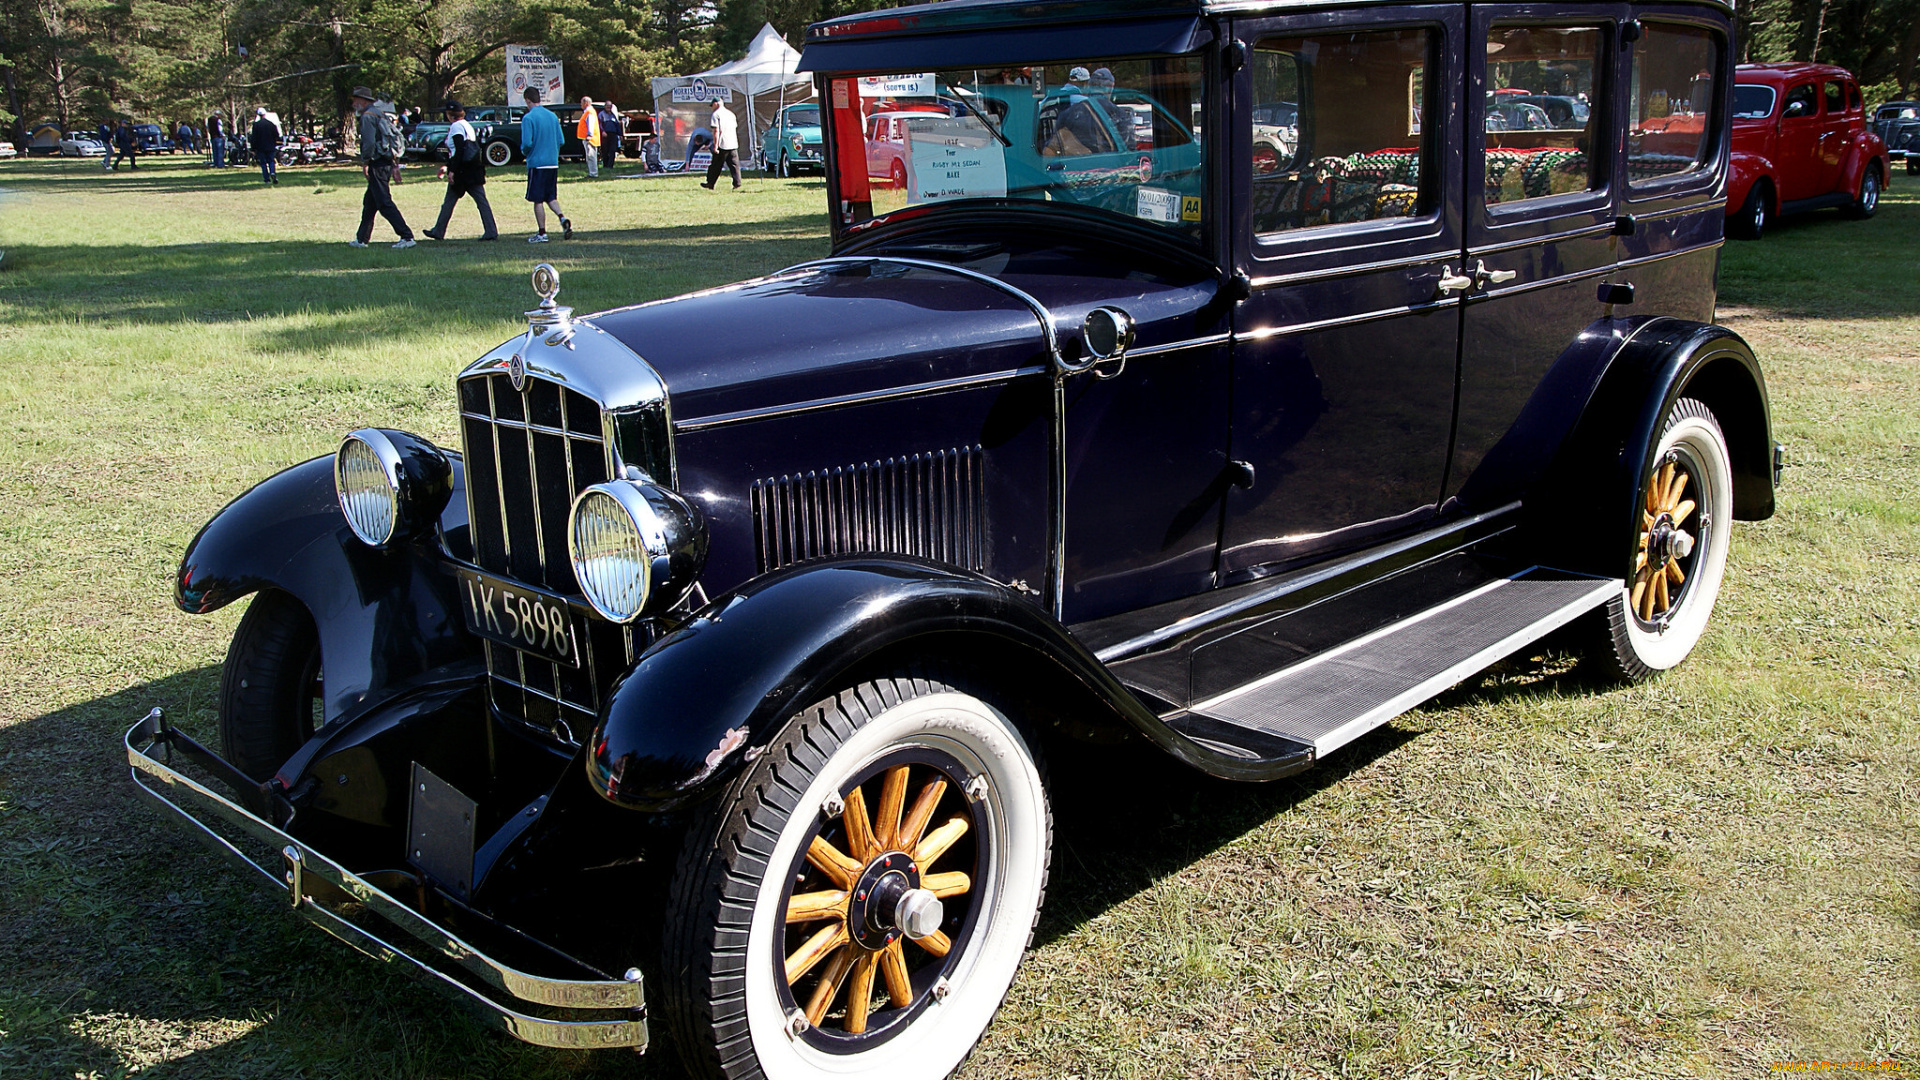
(381,144)
(466,175)
(726,146)
(540,145)
(589,131)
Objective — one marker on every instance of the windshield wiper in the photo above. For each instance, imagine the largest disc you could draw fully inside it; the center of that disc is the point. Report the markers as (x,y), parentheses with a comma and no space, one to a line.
(982,117)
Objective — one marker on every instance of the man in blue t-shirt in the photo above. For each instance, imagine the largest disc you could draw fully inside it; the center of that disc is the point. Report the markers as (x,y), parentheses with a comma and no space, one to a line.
(540,145)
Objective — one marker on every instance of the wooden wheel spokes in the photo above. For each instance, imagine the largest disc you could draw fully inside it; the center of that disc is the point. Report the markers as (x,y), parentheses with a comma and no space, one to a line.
(844,970)
(1655,584)
(815,950)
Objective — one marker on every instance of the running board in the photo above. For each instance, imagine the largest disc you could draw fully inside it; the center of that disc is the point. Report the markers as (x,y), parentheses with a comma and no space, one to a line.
(1334,698)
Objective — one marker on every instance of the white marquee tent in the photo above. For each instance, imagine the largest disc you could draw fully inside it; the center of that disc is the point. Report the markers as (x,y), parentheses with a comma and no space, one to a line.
(764,78)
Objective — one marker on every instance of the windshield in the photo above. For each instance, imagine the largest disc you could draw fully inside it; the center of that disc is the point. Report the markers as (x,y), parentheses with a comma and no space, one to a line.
(806,116)
(1120,136)
(1752,102)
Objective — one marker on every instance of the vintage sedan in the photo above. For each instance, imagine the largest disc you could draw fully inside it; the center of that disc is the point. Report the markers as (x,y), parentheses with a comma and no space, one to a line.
(714,680)
(1800,142)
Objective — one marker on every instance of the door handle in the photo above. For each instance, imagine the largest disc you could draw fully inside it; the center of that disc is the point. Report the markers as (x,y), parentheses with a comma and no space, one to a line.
(1492,277)
(1451,282)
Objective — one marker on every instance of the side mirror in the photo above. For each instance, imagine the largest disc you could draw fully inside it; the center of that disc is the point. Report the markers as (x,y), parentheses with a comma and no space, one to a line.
(1795,108)
(1108,332)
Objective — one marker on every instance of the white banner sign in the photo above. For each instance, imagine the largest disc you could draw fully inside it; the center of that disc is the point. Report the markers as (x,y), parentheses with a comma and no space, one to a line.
(529,65)
(898,86)
(701,90)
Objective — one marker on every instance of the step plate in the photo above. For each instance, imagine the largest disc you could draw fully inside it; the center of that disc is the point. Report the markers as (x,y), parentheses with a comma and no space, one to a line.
(1341,694)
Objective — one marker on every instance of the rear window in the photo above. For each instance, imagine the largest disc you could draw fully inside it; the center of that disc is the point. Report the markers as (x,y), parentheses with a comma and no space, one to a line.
(1671,102)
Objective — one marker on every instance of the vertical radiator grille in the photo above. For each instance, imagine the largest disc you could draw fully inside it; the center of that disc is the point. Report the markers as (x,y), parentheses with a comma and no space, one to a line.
(528,454)
(931,505)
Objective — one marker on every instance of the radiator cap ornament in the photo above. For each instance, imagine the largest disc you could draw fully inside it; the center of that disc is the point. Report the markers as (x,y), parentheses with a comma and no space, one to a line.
(546,285)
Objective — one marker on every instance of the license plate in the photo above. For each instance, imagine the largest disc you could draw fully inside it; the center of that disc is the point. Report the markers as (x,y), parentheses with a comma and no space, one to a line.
(515,615)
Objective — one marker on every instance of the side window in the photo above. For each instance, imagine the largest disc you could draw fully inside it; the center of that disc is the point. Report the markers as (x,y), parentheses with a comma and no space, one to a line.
(1853,97)
(1800,102)
(1336,130)
(1836,99)
(1073,123)
(1672,97)
(1542,89)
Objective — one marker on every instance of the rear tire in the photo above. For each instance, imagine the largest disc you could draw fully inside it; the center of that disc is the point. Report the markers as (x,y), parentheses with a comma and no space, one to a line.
(736,926)
(1868,199)
(498,154)
(1652,624)
(270,699)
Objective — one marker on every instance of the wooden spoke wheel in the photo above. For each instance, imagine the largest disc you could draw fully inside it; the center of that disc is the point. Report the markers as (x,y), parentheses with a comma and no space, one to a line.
(858,901)
(902,847)
(1683,524)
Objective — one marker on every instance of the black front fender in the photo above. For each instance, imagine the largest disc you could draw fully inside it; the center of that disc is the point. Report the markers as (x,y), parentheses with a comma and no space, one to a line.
(705,698)
(385,617)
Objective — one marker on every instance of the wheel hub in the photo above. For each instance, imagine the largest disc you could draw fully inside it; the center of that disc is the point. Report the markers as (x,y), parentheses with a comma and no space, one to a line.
(883,888)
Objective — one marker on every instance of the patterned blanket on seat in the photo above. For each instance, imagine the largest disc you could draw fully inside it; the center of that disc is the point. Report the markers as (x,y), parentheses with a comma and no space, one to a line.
(1386,184)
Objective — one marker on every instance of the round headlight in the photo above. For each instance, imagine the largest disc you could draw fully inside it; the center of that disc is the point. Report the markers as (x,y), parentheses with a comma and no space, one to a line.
(636,547)
(391,484)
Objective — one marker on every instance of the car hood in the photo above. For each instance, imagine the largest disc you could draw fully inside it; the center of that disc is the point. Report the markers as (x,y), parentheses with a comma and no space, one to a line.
(814,336)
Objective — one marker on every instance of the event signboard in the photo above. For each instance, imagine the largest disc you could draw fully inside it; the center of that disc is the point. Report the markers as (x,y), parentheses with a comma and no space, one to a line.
(701,90)
(895,86)
(529,65)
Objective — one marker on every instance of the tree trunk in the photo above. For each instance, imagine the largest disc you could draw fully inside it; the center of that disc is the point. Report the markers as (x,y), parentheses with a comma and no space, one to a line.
(13,106)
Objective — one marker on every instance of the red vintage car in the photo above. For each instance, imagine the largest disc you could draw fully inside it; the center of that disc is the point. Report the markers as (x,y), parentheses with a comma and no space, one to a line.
(1800,142)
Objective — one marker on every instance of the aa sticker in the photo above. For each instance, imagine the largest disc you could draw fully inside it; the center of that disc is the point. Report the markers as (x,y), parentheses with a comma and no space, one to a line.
(1190,208)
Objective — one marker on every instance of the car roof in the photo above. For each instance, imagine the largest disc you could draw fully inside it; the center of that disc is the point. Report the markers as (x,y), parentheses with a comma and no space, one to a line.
(979,14)
(1780,74)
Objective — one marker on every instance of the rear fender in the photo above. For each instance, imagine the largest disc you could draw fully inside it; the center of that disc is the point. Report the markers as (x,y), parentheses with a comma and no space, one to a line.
(1581,515)
(1743,171)
(385,618)
(710,696)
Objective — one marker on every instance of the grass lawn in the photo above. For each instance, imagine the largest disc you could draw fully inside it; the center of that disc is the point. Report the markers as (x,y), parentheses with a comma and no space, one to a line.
(1536,875)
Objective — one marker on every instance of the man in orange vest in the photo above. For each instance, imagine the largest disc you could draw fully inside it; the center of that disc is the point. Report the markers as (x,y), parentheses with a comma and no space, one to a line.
(589,132)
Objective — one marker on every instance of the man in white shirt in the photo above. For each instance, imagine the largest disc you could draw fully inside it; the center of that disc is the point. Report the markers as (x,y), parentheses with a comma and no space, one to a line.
(726,146)
(466,175)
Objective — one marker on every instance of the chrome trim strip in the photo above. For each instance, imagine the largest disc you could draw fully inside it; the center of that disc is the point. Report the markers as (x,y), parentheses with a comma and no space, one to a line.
(1604,227)
(1345,320)
(1599,271)
(936,386)
(1122,649)
(1353,270)
(1645,259)
(1680,211)
(158,781)
(1220,338)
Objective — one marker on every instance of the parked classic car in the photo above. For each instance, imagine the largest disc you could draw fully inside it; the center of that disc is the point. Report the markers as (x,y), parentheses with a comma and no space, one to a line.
(498,127)
(1898,125)
(428,142)
(7,150)
(81,144)
(792,142)
(726,664)
(152,139)
(1800,142)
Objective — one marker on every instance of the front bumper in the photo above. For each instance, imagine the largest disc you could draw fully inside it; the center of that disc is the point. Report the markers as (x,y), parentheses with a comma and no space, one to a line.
(536,1008)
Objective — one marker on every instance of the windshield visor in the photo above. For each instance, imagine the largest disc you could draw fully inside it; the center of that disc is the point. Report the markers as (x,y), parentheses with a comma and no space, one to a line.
(1118,136)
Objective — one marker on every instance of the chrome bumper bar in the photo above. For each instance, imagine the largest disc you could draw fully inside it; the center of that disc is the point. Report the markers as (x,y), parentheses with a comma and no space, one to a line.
(577,1013)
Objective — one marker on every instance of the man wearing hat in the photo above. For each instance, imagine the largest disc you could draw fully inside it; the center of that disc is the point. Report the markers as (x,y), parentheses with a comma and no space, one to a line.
(264,139)
(466,175)
(380,142)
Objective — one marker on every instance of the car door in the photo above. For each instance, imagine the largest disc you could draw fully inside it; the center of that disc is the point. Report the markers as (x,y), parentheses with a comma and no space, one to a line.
(1540,224)
(1349,236)
(1798,145)
(1830,146)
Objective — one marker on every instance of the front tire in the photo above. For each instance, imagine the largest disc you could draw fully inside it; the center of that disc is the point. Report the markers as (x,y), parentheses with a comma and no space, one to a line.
(778,940)
(270,686)
(1686,523)
(498,154)
(1751,222)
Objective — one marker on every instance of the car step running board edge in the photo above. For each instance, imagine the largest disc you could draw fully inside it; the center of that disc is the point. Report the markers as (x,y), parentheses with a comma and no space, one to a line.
(1331,699)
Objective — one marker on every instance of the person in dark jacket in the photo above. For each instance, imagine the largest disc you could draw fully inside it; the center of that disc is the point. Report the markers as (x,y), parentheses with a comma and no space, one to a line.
(466,175)
(264,141)
(378,130)
(217,136)
(126,146)
(612,130)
